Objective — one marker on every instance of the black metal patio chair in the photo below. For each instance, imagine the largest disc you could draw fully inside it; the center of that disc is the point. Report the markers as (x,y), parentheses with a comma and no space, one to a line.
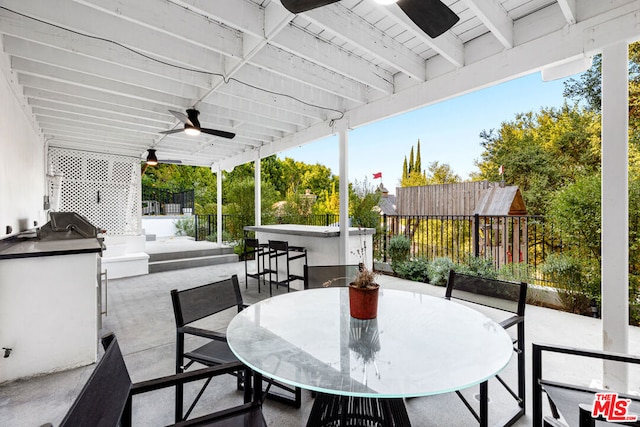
(191,305)
(106,398)
(570,403)
(506,296)
(316,276)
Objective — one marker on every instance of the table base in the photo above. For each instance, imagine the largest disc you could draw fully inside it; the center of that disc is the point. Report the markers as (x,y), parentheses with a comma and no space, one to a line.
(343,411)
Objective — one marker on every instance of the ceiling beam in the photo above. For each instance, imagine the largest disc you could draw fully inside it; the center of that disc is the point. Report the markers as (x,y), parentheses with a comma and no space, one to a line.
(293,67)
(495,18)
(447,45)
(569,10)
(94,112)
(95,23)
(314,49)
(32,56)
(189,28)
(347,26)
(36,32)
(162,116)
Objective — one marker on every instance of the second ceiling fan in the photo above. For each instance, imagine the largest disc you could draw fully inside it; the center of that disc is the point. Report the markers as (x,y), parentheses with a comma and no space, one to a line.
(192,125)
(432,16)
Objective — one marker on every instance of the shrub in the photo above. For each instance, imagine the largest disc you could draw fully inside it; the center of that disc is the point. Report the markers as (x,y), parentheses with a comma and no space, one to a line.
(438,271)
(185,227)
(399,250)
(574,288)
(516,272)
(634,300)
(477,266)
(416,269)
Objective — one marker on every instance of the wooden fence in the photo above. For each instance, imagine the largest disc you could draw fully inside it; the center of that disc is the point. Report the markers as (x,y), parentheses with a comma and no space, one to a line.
(443,199)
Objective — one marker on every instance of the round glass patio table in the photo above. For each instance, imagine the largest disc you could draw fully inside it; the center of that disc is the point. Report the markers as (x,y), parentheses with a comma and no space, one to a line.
(418,345)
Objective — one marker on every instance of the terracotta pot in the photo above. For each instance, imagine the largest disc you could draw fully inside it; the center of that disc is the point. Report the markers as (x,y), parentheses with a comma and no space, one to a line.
(363,302)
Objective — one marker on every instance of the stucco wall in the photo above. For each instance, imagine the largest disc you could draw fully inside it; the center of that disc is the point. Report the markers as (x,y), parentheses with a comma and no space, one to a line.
(22,175)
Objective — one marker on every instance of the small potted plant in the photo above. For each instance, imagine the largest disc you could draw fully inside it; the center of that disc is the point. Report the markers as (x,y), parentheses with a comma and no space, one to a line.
(363,294)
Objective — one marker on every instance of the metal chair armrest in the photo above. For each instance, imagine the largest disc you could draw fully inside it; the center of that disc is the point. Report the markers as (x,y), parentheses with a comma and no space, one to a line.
(185,377)
(507,323)
(203,333)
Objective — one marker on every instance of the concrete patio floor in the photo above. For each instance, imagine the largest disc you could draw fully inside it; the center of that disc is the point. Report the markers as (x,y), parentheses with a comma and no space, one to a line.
(140,315)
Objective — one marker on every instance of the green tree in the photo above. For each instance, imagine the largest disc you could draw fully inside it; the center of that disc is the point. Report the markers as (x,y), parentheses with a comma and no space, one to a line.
(441,174)
(328,202)
(575,211)
(418,164)
(405,170)
(178,178)
(363,202)
(542,152)
(412,175)
(587,88)
(240,202)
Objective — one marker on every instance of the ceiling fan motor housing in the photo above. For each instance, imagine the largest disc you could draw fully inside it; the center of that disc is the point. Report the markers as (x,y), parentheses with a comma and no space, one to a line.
(192,114)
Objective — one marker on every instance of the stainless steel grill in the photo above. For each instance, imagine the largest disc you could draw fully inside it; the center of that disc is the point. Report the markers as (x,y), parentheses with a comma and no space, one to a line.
(68,225)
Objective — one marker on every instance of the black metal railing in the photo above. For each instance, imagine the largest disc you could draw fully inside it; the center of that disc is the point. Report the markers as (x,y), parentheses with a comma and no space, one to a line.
(508,241)
(158,201)
(505,240)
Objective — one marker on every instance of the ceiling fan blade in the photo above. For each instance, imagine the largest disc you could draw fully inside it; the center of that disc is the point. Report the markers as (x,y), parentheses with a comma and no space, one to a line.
(169,132)
(175,162)
(432,16)
(220,133)
(181,116)
(298,6)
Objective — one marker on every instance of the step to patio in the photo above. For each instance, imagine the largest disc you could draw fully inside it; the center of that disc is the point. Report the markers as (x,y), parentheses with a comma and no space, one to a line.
(183,262)
(188,253)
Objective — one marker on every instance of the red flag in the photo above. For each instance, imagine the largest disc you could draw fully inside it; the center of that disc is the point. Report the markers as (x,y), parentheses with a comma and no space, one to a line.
(377,175)
(501,170)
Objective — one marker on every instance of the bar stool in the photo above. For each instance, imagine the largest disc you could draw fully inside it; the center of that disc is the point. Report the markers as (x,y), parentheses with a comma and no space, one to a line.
(259,251)
(279,249)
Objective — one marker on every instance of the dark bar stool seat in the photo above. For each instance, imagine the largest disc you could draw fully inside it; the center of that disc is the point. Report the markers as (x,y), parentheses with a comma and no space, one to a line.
(258,251)
(279,249)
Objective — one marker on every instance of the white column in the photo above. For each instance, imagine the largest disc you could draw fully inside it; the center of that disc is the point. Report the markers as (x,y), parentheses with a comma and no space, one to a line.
(257,176)
(219,205)
(344,196)
(615,210)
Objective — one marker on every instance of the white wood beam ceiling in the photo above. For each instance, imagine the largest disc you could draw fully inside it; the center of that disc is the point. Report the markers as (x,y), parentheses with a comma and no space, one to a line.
(102,74)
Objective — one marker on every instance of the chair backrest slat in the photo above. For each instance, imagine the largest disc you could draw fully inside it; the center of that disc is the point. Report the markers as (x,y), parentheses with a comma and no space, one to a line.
(103,398)
(197,303)
(278,245)
(507,296)
(338,275)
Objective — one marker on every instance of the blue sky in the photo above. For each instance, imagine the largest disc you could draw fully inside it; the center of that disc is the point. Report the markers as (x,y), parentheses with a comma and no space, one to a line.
(448,132)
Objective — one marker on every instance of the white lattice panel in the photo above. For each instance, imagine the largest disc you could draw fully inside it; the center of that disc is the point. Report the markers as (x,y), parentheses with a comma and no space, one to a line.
(103,187)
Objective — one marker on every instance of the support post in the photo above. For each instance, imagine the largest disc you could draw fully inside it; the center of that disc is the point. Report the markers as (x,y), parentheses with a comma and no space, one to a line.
(615,211)
(344,197)
(257,176)
(219,205)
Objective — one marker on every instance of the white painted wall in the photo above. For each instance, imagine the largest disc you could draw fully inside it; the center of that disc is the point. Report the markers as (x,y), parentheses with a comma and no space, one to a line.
(22,171)
(161,226)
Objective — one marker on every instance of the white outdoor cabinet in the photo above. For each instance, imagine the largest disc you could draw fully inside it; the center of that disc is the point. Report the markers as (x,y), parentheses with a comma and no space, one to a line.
(48,305)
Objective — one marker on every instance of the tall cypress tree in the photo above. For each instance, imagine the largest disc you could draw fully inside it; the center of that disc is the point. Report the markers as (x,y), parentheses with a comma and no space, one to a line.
(405,172)
(411,163)
(418,166)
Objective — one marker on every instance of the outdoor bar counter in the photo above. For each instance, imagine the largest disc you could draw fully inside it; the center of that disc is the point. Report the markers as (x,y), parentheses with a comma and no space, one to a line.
(322,243)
